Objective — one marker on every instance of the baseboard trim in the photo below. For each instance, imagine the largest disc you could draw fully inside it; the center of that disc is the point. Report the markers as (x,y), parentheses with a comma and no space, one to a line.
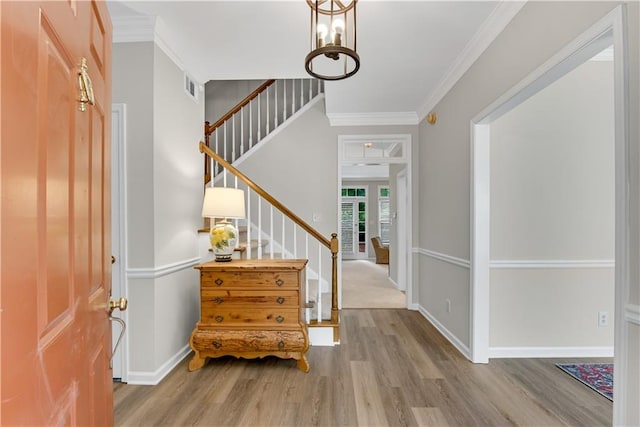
(454,340)
(548,352)
(153,378)
(163,270)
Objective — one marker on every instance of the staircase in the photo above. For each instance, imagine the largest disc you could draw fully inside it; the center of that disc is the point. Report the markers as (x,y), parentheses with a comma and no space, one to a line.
(260,114)
(270,229)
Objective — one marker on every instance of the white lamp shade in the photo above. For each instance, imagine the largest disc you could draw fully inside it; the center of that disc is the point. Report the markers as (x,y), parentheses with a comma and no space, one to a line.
(222,202)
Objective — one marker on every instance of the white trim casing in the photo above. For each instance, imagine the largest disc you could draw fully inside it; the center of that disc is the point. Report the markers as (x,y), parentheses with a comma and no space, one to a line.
(119,170)
(632,314)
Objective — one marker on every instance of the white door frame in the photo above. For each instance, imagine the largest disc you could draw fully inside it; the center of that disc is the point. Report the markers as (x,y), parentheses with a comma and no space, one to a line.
(118,235)
(609,30)
(402,256)
(405,159)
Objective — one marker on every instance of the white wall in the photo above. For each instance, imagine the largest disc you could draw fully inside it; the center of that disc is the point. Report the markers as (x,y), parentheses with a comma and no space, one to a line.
(552,201)
(164,191)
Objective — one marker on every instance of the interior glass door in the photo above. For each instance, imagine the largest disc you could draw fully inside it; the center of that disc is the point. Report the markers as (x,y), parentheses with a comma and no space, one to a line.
(354,229)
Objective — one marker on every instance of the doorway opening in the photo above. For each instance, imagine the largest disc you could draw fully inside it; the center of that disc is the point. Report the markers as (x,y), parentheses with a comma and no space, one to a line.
(608,31)
(374,213)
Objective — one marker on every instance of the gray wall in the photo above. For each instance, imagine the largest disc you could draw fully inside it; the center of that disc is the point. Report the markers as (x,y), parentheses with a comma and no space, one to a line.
(164,191)
(552,199)
(307,151)
(539,31)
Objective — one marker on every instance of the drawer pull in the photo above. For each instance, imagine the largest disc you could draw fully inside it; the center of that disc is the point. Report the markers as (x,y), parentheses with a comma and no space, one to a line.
(219,281)
(279,319)
(219,319)
(218,300)
(281,345)
(280,300)
(216,344)
(279,282)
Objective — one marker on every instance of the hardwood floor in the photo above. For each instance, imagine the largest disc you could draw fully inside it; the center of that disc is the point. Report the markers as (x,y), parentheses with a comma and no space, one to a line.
(391,368)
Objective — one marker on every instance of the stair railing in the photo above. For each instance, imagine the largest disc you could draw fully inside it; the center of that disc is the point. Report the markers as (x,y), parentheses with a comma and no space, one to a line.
(255,117)
(331,244)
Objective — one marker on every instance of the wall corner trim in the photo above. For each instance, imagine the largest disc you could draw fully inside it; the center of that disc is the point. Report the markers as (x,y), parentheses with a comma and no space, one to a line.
(163,270)
(497,21)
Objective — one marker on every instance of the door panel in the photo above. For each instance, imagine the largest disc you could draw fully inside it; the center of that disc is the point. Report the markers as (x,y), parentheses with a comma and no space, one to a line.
(346,240)
(354,228)
(54,215)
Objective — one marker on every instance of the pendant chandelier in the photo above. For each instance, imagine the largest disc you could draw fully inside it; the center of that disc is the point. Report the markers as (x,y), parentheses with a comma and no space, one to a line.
(333,53)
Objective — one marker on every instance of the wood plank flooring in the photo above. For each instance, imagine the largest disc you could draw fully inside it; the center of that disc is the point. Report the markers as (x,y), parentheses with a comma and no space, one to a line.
(392,368)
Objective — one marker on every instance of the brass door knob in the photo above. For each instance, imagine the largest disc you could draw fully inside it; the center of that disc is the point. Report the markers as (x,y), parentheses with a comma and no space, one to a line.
(121,304)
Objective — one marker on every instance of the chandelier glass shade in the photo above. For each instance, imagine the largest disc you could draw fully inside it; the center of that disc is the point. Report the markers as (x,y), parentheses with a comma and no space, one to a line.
(333,54)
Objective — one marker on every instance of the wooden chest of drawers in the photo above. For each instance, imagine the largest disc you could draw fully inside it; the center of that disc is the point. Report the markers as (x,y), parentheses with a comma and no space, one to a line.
(251,308)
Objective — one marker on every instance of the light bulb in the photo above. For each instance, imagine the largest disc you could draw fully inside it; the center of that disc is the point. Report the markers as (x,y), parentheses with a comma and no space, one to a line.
(321,32)
(337,29)
(338,25)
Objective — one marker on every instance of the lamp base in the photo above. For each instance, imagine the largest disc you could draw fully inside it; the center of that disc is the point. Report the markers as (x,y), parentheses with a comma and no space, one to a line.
(223,238)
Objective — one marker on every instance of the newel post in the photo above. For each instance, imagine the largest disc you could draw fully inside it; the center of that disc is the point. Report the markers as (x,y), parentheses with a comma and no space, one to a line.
(334,277)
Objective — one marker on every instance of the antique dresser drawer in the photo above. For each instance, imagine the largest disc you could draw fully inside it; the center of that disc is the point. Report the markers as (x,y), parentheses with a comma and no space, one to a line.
(249,340)
(250,315)
(250,279)
(251,308)
(226,298)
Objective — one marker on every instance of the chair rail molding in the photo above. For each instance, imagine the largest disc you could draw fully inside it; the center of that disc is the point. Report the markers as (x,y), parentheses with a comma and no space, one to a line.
(162,270)
(465,263)
(552,263)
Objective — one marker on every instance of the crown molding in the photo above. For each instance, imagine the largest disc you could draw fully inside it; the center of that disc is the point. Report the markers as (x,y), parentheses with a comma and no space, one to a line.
(495,23)
(131,29)
(373,119)
(143,28)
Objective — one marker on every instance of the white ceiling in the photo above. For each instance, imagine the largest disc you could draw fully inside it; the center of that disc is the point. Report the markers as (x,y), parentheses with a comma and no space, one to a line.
(408,49)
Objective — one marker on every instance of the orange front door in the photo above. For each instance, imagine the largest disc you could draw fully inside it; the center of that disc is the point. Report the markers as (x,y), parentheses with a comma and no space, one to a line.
(54,214)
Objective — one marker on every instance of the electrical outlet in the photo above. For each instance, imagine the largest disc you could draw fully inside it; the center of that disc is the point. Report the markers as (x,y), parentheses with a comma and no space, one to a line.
(448,302)
(603,318)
